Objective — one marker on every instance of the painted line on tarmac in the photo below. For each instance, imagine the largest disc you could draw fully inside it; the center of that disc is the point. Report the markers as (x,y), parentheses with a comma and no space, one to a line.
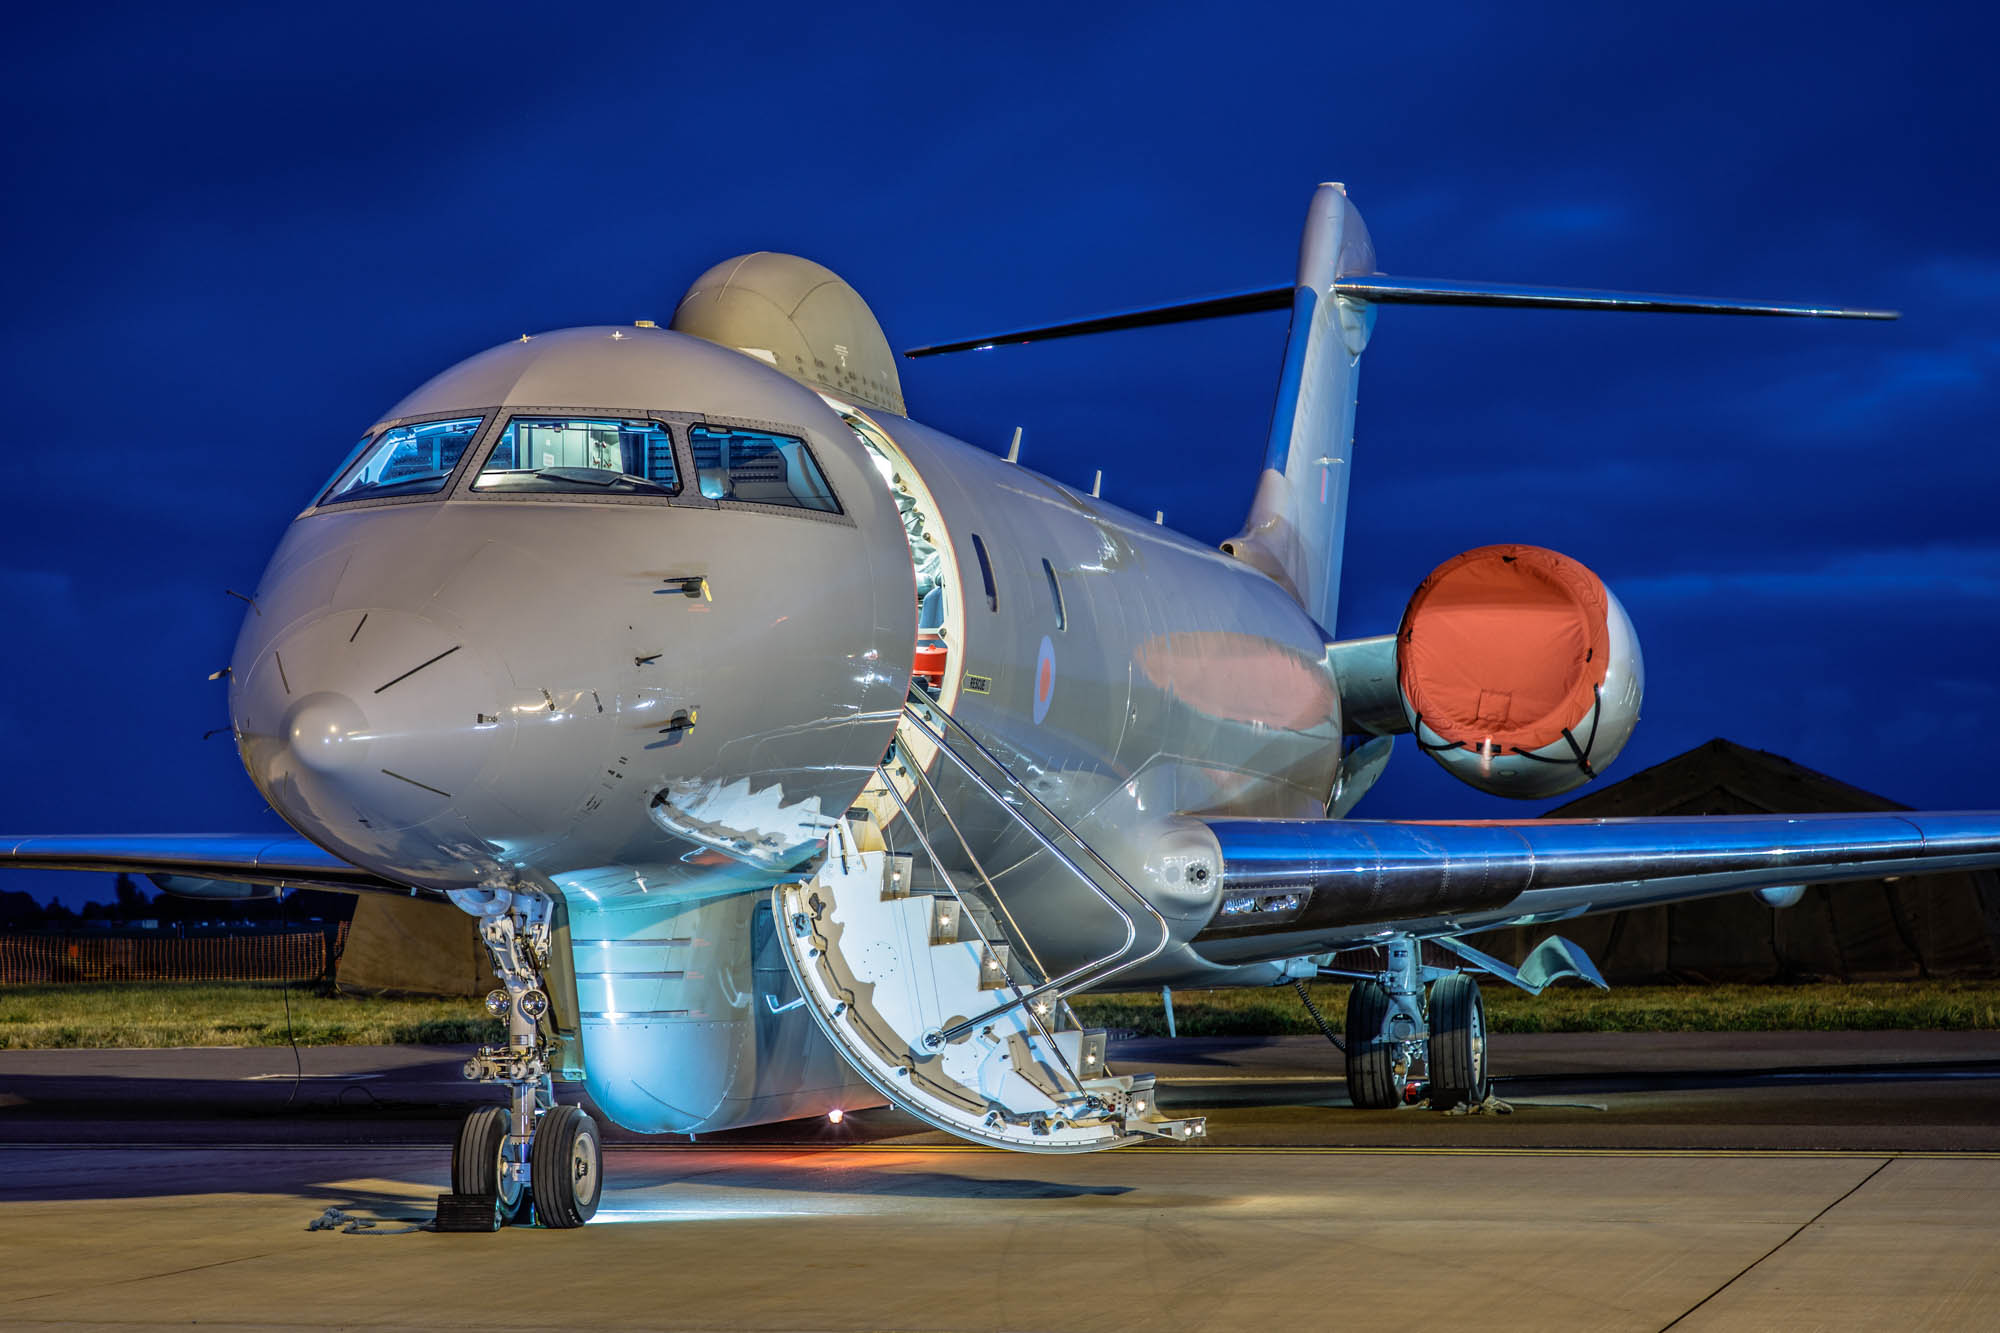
(1250,1078)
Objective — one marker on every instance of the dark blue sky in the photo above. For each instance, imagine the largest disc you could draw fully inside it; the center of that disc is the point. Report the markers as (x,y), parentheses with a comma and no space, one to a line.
(237,234)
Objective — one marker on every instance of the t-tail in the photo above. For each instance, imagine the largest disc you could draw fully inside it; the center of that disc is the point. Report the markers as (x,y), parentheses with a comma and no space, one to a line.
(1298,515)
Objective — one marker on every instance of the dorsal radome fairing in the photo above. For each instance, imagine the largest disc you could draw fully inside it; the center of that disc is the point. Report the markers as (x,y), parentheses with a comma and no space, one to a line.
(799,317)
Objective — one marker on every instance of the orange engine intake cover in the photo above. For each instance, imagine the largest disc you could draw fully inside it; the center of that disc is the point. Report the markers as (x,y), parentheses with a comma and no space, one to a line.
(1504,646)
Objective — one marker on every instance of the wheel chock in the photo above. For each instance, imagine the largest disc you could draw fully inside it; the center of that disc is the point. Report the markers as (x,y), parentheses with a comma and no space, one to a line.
(468,1212)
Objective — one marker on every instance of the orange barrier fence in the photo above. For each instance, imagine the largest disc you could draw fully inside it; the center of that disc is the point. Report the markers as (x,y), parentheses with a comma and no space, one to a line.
(299,955)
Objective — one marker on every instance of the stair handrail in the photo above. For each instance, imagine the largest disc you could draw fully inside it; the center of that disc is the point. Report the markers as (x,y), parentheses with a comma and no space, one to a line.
(1039,1021)
(1087,974)
(920,777)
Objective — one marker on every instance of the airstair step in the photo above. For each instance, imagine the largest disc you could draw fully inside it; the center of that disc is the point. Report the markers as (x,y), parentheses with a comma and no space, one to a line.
(994,967)
(1084,1049)
(944,921)
(897,876)
(914,969)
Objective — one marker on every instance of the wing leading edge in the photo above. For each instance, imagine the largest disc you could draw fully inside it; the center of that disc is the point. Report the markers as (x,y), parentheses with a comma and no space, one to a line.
(243,858)
(1293,887)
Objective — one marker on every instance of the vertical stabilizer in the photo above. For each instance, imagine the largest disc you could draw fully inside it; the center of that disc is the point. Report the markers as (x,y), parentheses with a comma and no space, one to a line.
(1299,514)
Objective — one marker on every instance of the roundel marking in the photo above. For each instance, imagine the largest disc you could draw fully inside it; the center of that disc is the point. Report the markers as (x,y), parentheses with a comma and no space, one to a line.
(1045,679)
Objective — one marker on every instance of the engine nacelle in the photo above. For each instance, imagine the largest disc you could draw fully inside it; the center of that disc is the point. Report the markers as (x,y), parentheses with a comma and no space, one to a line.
(1519,671)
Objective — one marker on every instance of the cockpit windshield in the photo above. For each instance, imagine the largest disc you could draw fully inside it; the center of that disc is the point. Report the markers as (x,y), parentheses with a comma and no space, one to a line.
(757,467)
(404,460)
(582,457)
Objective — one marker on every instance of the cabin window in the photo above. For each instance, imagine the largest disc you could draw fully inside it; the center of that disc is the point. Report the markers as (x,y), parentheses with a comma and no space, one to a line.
(986,573)
(582,456)
(1055,594)
(758,467)
(404,460)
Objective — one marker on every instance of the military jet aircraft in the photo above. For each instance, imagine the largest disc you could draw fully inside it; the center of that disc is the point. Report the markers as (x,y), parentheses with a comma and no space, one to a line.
(794,756)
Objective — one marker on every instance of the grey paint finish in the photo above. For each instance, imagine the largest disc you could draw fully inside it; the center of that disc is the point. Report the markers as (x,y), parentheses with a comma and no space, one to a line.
(1184,683)
(799,318)
(477,689)
(469,690)
(1369,695)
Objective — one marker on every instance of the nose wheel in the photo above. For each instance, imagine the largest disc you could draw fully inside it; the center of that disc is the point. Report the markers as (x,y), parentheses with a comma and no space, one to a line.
(531,1158)
(568,1170)
(479,1164)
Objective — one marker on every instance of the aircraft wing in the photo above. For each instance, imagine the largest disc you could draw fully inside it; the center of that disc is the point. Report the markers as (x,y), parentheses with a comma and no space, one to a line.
(243,858)
(1297,886)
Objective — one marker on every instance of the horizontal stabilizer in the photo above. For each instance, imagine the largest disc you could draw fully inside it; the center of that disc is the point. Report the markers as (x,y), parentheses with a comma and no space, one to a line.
(1181,312)
(1381,289)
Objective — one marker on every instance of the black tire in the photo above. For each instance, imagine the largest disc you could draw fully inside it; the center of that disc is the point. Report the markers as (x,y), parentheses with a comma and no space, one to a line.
(475,1162)
(1371,1067)
(568,1162)
(1458,1043)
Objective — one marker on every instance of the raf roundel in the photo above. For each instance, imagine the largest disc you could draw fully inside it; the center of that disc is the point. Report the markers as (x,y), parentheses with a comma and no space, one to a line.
(1045,679)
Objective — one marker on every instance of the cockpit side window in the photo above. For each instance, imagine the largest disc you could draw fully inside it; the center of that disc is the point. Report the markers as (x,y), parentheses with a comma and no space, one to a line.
(582,456)
(404,460)
(758,467)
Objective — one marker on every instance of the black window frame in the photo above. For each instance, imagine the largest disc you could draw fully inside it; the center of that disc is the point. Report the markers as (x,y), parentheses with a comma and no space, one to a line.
(1056,596)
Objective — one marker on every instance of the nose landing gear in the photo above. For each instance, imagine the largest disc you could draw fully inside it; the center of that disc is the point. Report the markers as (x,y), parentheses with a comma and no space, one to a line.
(531,1158)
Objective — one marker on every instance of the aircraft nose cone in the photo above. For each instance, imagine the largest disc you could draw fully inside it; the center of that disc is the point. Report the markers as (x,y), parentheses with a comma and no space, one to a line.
(361,724)
(328,733)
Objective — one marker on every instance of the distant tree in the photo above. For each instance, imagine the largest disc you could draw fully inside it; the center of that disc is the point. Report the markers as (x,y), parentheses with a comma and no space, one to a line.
(19,911)
(132,900)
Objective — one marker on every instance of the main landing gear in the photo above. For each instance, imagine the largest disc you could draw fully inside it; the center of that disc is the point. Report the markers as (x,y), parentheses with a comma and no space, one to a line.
(1390,1033)
(531,1159)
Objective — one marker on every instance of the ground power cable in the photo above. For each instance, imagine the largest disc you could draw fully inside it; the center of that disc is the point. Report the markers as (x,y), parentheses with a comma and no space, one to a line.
(1305,998)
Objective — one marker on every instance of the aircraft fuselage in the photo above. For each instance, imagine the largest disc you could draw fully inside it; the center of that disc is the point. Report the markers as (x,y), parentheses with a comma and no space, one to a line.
(655,705)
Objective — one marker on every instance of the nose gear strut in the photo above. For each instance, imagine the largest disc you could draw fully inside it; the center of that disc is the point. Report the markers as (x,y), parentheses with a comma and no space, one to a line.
(494,1170)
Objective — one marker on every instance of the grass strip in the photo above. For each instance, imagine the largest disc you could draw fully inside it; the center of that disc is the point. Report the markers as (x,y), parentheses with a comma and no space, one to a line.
(240,1013)
(163,1014)
(1813,1007)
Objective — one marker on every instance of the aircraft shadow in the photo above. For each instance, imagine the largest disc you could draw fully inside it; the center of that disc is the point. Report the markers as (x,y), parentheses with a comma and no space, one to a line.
(823,1182)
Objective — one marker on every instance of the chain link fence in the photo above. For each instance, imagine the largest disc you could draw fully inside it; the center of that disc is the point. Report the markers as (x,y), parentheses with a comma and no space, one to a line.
(301,954)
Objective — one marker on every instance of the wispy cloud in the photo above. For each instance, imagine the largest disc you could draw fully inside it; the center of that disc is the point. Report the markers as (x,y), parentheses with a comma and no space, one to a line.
(1901,575)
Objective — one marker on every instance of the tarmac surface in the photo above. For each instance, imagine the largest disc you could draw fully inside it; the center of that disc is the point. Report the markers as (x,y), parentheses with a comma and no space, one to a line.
(1642,1181)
